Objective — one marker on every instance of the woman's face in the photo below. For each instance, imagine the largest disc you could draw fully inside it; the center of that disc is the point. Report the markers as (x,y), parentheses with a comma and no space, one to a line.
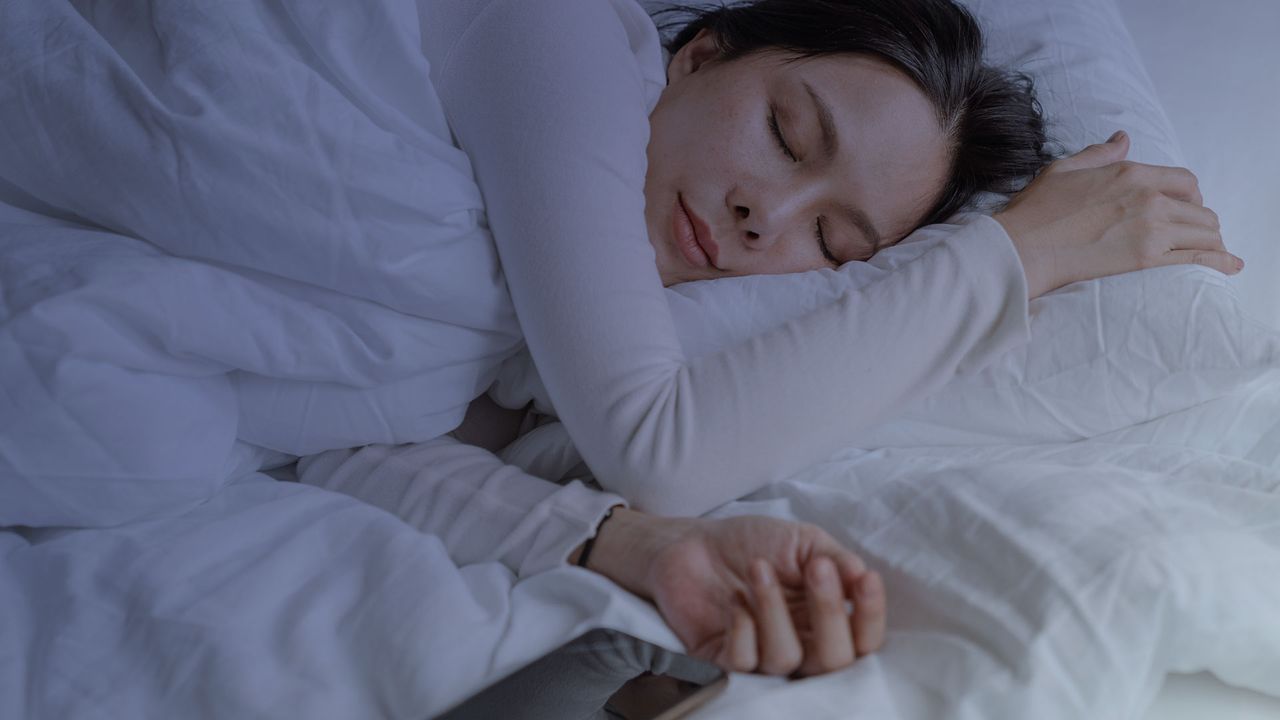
(860,157)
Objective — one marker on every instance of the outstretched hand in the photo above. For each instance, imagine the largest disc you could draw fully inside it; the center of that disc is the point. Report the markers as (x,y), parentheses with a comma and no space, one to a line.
(750,594)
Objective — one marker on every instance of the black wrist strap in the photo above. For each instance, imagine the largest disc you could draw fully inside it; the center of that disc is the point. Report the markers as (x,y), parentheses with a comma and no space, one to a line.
(591,541)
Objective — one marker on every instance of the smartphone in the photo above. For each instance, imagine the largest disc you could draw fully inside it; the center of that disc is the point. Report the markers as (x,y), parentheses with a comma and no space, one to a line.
(661,697)
(575,681)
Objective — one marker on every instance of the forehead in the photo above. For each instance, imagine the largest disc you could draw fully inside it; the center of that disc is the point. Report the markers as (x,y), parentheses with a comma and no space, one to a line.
(893,155)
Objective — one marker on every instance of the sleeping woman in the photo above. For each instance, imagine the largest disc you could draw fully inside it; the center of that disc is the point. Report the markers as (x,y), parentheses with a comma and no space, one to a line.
(270,236)
(780,136)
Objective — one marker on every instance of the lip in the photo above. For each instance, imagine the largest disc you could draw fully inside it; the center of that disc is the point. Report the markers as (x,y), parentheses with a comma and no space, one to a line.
(704,250)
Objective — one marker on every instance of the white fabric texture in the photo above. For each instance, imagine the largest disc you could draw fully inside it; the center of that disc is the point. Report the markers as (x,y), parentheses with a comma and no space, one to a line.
(1051,581)
(248,221)
(273,600)
(481,508)
(272,232)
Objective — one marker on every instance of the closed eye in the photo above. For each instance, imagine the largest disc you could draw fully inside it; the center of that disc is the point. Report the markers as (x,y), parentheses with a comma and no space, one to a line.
(822,244)
(777,133)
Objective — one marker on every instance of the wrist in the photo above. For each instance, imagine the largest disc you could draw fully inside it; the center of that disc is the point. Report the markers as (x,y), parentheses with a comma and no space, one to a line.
(1034,259)
(581,555)
(627,546)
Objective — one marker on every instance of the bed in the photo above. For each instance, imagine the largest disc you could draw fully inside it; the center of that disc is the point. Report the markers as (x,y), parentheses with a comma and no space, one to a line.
(1088,528)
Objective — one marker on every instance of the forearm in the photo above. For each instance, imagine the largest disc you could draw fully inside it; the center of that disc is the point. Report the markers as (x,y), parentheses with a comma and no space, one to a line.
(481,509)
(726,424)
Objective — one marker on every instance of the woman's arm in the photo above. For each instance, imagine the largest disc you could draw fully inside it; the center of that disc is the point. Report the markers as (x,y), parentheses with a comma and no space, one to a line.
(481,508)
(694,570)
(548,101)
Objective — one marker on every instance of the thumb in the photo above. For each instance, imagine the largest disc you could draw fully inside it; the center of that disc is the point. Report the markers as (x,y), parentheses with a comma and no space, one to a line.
(1095,156)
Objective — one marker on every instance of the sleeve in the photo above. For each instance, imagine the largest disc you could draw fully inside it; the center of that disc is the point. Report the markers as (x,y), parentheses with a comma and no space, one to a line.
(481,509)
(546,100)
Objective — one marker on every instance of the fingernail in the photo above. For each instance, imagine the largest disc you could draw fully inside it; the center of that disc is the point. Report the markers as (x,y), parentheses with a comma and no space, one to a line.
(1239,264)
(1119,134)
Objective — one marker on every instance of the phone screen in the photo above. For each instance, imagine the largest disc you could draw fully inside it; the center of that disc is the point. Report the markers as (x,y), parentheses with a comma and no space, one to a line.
(580,679)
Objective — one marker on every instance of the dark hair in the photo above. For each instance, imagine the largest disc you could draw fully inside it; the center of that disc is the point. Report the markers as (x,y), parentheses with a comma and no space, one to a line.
(991,117)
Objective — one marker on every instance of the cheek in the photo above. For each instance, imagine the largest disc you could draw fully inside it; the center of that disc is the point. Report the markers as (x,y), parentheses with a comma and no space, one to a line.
(710,122)
(795,253)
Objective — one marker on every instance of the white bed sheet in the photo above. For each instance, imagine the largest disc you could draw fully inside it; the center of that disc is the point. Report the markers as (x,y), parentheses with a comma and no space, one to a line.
(1204,697)
(969,612)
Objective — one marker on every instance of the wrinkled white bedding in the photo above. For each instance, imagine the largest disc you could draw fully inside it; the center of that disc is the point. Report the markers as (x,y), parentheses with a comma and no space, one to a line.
(1053,581)
(266,245)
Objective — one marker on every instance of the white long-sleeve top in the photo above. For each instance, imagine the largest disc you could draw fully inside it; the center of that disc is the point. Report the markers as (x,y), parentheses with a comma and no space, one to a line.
(481,508)
(550,101)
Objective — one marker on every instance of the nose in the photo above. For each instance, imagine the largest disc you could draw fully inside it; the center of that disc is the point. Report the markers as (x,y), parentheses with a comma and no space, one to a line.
(744,213)
(763,217)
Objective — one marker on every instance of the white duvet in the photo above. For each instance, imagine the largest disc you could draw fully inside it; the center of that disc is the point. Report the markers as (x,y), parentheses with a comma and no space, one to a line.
(159,299)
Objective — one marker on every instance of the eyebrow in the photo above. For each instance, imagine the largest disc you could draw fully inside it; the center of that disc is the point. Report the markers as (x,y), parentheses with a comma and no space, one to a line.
(830,146)
(827,121)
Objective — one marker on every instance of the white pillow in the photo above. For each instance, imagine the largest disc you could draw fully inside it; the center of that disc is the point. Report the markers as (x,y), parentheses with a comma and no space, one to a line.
(1090,78)
(1104,355)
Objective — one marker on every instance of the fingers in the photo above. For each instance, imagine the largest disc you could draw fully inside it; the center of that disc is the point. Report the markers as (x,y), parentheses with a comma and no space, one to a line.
(1223,262)
(1193,214)
(738,654)
(866,590)
(1095,156)
(1176,182)
(851,566)
(830,644)
(870,614)
(870,607)
(780,650)
(1192,244)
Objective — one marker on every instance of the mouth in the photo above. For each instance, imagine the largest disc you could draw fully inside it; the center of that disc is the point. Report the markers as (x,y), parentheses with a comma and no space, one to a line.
(693,237)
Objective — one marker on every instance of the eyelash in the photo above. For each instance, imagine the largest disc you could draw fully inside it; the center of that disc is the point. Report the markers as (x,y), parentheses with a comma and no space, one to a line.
(782,143)
(777,133)
(822,243)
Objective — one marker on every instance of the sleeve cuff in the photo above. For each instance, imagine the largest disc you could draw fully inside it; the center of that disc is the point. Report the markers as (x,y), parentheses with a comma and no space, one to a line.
(989,251)
(576,515)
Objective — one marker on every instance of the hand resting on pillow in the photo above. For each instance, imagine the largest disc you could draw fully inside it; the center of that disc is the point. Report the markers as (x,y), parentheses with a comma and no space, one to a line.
(1093,214)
